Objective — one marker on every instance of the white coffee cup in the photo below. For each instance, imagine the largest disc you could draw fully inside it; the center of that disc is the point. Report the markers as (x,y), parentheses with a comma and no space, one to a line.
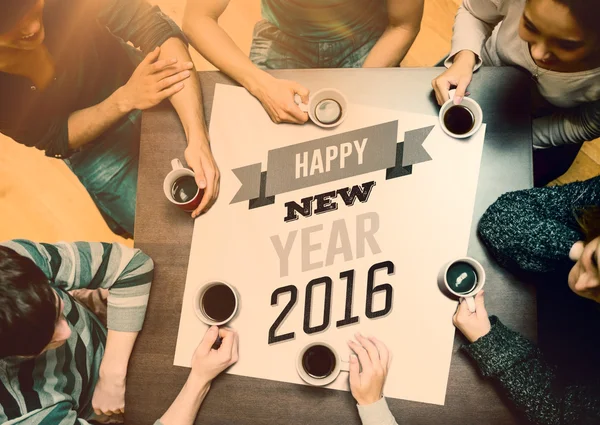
(340,366)
(199,305)
(178,171)
(469,296)
(468,103)
(322,107)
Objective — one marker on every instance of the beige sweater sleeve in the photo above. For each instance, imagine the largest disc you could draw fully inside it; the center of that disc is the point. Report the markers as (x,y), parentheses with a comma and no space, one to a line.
(473,25)
(569,126)
(377,413)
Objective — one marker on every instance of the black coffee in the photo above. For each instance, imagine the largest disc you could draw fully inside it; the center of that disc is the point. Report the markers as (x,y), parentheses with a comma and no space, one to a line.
(328,111)
(218,302)
(459,119)
(461,277)
(319,361)
(184,189)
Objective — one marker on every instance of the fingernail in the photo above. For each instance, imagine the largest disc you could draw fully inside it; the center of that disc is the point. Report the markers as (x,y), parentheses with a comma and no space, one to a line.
(350,341)
(189,63)
(186,73)
(353,357)
(457,99)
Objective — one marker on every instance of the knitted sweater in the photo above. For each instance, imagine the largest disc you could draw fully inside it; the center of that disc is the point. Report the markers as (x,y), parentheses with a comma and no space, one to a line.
(534,229)
(529,382)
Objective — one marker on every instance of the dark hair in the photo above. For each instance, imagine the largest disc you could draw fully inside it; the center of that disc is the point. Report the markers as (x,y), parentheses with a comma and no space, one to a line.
(585,12)
(27,306)
(11,11)
(589,221)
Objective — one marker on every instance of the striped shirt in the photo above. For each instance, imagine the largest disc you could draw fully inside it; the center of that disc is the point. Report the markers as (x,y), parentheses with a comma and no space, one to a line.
(56,387)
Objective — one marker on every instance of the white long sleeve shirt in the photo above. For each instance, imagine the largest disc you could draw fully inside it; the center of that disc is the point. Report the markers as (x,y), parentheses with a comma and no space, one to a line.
(490,29)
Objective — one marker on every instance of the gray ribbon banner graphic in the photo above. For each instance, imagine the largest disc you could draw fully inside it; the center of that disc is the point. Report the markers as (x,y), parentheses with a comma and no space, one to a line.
(332,158)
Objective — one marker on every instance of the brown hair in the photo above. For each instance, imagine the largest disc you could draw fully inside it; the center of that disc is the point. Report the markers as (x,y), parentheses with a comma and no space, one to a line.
(589,221)
(585,12)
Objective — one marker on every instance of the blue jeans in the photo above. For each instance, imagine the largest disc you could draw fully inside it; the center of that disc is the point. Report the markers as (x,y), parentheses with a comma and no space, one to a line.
(274,49)
(108,169)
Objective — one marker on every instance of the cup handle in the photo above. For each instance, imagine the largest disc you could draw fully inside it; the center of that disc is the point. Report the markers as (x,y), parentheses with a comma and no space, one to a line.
(344,366)
(451,94)
(470,304)
(176,163)
(303,107)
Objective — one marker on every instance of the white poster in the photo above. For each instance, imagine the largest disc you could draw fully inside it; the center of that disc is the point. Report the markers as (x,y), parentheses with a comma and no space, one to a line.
(362,215)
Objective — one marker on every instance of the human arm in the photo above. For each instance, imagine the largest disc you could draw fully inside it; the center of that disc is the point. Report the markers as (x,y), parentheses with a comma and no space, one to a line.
(207,363)
(535,229)
(575,125)
(473,25)
(519,368)
(153,81)
(126,272)
(146,27)
(368,370)
(404,24)
(200,24)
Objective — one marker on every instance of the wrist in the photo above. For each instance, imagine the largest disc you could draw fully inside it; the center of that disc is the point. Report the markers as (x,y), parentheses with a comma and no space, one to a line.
(257,82)
(197,384)
(366,401)
(121,101)
(465,58)
(114,375)
(197,138)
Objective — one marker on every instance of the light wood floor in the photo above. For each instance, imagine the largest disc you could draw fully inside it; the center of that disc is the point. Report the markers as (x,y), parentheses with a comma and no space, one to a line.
(41,200)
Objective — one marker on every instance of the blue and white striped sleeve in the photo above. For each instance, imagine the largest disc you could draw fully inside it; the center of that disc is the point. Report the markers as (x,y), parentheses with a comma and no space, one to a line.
(126,273)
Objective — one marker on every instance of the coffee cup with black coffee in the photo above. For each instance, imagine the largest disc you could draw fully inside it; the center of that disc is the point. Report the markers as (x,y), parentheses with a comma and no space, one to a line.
(319,364)
(216,303)
(463,277)
(180,187)
(326,108)
(462,120)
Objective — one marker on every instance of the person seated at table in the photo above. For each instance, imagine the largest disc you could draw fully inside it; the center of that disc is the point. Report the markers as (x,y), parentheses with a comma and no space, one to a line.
(558,43)
(542,230)
(304,34)
(72,87)
(58,363)
(518,366)
(369,366)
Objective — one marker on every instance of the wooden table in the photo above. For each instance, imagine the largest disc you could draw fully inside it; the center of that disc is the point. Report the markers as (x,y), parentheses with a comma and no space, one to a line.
(165,234)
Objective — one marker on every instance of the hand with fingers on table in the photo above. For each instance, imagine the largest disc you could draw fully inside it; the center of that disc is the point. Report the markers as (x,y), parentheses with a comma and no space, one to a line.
(277,97)
(459,75)
(368,368)
(472,325)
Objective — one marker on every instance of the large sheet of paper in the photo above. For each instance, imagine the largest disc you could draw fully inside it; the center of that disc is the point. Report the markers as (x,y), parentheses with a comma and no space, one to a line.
(379,203)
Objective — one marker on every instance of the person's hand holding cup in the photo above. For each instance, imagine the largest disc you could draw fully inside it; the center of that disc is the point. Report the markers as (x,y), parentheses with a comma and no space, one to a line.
(463,278)
(208,362)
(180,187)
(326,108)
(472,324)
(460,120)
(374,358)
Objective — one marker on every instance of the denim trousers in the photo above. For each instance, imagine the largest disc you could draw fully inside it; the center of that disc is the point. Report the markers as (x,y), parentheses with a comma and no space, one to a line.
(108,169)
(274,49)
